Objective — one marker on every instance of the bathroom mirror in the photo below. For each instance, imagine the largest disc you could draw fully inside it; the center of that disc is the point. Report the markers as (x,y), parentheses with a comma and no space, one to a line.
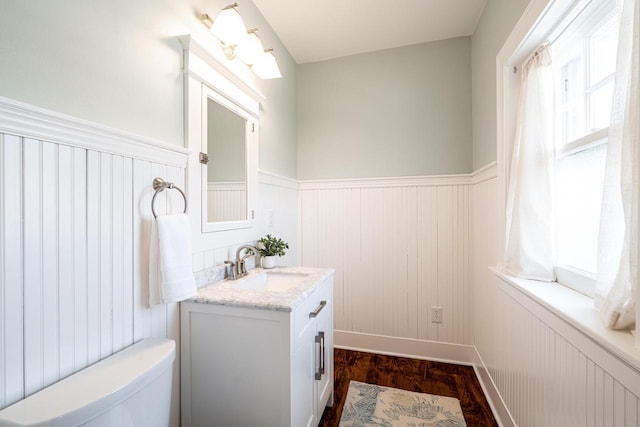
(214,87)
(226,140)
(227,165)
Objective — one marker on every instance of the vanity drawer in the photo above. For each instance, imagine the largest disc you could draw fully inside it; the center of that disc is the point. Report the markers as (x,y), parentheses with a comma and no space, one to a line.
(318,303)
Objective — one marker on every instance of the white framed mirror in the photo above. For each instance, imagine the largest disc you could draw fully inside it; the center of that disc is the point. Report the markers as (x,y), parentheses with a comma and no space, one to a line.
(223,90)
(229,134)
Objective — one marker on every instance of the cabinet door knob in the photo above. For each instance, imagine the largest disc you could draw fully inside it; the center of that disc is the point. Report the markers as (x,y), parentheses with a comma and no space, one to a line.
(317,311)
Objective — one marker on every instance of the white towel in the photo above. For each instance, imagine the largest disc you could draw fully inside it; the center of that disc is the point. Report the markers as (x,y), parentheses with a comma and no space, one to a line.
(170,272)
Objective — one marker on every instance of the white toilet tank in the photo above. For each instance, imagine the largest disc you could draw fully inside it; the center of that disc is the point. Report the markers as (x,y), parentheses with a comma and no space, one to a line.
(130,388)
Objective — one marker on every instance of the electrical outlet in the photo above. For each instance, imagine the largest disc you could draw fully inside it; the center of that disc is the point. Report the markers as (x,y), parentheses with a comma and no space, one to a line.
(270,219)
(436,314)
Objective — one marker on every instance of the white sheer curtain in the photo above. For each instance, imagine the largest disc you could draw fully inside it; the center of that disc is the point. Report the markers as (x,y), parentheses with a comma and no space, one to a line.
(617,280)
(530,208)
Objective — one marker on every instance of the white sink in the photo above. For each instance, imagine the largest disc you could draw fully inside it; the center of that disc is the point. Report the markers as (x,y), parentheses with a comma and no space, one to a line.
(273,281)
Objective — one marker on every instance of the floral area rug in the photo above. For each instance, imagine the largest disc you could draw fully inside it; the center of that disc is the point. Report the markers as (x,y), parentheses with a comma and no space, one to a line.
(369,405)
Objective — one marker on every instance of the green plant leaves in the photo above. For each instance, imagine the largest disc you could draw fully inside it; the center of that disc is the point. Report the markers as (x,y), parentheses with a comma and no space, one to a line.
(270,246)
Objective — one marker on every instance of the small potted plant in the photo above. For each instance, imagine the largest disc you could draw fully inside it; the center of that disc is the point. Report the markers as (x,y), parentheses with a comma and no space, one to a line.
(269,247)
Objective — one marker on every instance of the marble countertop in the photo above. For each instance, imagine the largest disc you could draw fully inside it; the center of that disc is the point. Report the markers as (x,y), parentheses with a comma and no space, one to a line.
(224,292)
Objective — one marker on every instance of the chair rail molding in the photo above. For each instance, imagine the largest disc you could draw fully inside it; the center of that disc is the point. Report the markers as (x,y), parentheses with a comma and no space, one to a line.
(387,182)
(18,118)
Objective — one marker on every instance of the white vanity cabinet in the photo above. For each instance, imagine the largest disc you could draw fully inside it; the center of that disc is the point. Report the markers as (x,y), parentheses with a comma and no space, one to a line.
(255,366)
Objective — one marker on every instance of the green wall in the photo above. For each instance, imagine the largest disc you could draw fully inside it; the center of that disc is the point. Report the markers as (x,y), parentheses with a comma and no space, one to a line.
(118,63)
(416,110)
(397,112)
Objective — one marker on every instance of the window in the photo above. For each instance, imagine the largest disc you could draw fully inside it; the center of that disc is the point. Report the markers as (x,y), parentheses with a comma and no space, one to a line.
(584,56)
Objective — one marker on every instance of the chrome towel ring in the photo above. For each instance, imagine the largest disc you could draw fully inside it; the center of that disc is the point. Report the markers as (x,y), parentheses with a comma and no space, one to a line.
(159,185)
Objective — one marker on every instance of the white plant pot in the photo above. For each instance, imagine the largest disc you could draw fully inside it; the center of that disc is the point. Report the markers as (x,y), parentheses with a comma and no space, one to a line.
(268,261)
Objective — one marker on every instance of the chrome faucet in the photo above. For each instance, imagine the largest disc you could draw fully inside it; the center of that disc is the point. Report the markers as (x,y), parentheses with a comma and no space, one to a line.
(239,268)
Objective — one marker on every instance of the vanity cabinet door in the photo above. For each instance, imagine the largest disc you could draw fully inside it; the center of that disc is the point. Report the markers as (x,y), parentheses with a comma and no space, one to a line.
(303,403)
(313,358)
(324,355)
(235,366)
(314,354)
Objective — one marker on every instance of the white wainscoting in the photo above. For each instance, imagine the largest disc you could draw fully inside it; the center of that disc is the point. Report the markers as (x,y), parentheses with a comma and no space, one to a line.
(75,215)
(399,247)
(278,213)
(226,201)
(536,364)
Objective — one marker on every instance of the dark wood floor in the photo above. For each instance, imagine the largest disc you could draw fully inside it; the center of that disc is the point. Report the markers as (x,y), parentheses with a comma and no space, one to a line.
(409,374)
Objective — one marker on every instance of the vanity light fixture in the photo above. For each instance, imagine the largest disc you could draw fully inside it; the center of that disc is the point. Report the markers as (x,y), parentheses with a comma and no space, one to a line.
(229,26)
(239,43)
(267,67)
(251,50)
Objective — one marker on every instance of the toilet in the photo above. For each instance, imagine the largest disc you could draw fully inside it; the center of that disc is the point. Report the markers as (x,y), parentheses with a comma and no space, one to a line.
(130,388)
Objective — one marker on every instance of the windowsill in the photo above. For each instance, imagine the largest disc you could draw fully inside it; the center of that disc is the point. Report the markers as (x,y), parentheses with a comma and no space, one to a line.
(577,310)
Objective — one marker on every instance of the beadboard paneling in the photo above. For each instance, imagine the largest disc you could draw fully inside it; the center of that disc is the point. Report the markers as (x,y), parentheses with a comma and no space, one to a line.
(11,271)
(546,371)
(278,213)
(74,233)
(399,248)
(226,201)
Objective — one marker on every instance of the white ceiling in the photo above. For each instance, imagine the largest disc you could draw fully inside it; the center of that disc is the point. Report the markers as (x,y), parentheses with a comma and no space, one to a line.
(314,30)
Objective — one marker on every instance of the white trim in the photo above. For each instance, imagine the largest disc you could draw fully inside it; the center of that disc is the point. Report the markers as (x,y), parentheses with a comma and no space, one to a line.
(227,186)
(405,347)
(403,181)
(578,280)
(591,140)
(531,30)
(26,120)
(276,180)
(485,173)
(479,176)
(498,406)
(565,22)
(209,65)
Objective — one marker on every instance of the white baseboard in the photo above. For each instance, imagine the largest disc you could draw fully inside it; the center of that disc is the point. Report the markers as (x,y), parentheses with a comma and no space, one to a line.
(498,407)
(429,350)
(405,347)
